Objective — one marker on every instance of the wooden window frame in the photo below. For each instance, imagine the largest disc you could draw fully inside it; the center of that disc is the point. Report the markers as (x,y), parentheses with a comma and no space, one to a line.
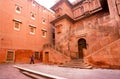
(34,29)
(44,33)
(19,24)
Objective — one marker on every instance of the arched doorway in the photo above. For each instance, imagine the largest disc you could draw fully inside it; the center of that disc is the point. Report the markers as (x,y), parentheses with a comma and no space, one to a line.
(81,46)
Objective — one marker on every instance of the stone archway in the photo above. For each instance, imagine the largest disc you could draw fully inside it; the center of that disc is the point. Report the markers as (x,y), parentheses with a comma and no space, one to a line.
(81,46)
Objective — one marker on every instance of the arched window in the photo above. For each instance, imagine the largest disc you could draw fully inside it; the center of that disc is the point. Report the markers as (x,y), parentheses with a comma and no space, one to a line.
(18,9)
(32,15)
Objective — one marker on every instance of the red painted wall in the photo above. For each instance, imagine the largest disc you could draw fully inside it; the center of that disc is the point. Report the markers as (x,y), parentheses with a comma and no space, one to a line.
(22,39)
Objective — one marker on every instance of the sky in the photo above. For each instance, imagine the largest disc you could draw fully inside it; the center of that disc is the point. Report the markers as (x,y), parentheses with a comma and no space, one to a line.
(48,3)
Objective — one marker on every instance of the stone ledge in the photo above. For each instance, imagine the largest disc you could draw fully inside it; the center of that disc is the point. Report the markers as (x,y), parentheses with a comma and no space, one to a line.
(39,73)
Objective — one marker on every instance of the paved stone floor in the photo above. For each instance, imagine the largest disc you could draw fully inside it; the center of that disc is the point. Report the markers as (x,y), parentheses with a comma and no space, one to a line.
(73,73)
(8,72)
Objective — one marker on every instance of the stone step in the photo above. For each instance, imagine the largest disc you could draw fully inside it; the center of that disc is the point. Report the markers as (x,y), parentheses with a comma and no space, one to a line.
(33,76)
(36,74)
(70,64)
(77,64)
(81,67)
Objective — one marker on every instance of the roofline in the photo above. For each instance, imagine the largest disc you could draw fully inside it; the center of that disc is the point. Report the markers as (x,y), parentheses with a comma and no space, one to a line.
(40,5)
(65,16)
(60,2)
(78,3)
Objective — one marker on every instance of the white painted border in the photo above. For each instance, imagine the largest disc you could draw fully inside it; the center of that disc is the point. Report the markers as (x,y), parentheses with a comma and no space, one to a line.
(39,73)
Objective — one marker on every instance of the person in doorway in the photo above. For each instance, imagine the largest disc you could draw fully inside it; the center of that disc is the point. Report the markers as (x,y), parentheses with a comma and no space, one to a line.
(32,59)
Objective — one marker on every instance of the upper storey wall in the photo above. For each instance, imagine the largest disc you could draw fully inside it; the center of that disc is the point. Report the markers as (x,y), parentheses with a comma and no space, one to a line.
(78,10)
(62,8)
(86,7)
(24,21)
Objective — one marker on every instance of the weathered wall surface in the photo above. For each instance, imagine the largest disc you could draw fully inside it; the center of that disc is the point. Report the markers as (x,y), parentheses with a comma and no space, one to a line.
(107,57)
(100,29)
(52,56)
(22,39)
(19,56)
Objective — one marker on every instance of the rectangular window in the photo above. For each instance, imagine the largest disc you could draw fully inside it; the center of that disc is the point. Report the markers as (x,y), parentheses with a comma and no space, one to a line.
(44,32)
(59,28)
(37,55)
(17,24)
(32,29)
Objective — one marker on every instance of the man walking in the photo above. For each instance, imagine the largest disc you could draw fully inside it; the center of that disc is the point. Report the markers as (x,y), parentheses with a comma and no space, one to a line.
(32,59)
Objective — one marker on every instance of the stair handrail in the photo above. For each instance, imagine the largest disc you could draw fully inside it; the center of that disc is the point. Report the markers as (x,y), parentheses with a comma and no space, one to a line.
(102,48)
(55,48)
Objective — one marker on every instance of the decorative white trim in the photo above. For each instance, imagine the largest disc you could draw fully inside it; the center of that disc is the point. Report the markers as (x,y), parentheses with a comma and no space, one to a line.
(18,11)
(32,18)
(18,29)
(17,20)
(32,33)
(40,73)
(45,35)
(45,31)
(32,25)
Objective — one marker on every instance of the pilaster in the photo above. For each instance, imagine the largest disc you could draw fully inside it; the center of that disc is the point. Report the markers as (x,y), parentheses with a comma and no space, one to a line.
(114,15)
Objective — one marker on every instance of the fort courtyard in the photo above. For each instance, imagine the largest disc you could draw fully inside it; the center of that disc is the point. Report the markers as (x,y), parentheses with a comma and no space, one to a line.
(71,40)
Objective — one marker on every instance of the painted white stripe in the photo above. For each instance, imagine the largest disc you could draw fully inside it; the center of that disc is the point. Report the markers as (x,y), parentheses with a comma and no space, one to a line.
(40,73)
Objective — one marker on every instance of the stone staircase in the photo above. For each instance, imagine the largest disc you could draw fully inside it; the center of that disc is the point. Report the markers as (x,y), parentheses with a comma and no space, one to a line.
(56,55)
(77,63)
(33,74)
(106,57)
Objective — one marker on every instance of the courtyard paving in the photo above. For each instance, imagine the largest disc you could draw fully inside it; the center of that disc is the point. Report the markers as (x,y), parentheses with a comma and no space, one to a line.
(7,71)
(73,73)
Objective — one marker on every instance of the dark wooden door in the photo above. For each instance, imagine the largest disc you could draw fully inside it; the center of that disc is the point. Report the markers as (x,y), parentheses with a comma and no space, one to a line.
(46,57)
(10,56)
(81,46)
